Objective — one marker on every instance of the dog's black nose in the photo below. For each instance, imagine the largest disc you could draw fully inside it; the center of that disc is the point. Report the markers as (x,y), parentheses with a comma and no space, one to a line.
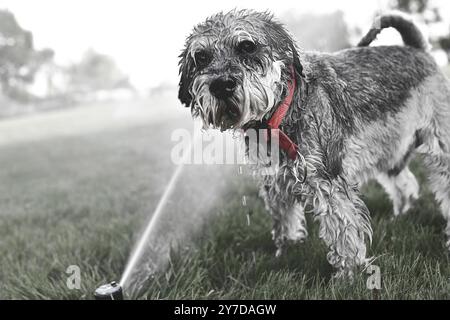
(222,87)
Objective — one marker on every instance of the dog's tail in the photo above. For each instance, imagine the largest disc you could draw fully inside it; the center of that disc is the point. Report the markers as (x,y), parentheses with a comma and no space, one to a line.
(409,31)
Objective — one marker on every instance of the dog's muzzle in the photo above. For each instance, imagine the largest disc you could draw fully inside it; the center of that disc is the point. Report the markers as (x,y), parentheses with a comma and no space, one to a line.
(227,113)
(223,88)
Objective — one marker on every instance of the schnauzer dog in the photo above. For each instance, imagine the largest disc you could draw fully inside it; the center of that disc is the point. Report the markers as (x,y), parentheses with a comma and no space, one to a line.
(343,118)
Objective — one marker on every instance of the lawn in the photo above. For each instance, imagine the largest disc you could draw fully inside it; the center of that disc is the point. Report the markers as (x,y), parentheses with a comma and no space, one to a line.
(82,198)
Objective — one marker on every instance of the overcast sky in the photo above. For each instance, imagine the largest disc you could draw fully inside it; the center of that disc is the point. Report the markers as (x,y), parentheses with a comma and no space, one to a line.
(145,37)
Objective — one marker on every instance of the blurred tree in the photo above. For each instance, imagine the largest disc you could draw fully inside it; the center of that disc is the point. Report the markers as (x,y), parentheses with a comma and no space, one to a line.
(327,32)
(444,42)
(96,72)
(19,61)
(429,13)
(425,9)
(411,6)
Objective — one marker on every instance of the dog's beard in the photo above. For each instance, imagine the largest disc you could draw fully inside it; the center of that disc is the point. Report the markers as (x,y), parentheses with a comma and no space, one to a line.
(254,97)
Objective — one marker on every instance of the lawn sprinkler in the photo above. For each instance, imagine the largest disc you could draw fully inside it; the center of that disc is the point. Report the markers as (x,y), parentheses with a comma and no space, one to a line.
(110,291)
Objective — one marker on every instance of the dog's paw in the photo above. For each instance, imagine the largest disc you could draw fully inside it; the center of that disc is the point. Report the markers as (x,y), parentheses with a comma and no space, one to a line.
(347,275)
(447,233)
(404,205)
(296,236)
(279,253)
(294,229)
(288,237)
(408,193)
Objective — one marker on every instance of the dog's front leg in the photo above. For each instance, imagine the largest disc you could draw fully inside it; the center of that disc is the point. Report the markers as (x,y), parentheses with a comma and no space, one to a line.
(289,225)
(289,222)
(344,225)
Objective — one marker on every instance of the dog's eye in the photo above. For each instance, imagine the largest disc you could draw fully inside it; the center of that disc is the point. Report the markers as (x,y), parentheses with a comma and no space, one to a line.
(247,47)
(202,58)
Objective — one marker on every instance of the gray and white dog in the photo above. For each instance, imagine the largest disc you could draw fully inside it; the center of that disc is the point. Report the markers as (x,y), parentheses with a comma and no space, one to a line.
(355,115)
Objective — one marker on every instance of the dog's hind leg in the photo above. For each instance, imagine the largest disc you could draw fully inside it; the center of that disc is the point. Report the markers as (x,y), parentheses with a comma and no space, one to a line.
(402,188)
(436,148)
(439,180)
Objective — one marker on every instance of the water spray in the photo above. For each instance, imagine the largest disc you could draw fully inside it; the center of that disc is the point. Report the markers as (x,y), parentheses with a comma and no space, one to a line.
(113,290)
(148,230)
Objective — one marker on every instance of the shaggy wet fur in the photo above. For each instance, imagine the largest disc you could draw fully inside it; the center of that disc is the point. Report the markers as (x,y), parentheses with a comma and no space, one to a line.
(357,114)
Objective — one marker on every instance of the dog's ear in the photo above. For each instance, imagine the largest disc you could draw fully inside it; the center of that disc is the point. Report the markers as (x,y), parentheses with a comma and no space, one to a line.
(185,73)
(296,60)
(280,35)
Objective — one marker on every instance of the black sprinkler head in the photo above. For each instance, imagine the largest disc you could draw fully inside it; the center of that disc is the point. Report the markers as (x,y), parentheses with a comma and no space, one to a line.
(111,291)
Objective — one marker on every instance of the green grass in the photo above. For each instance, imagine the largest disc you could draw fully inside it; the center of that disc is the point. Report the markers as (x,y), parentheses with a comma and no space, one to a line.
(80,201)
(236,261)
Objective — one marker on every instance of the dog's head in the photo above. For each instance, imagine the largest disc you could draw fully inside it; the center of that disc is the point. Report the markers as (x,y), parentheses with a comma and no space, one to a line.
(236,67)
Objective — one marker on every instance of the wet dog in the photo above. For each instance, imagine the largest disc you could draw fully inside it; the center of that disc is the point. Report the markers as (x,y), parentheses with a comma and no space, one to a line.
(344,118)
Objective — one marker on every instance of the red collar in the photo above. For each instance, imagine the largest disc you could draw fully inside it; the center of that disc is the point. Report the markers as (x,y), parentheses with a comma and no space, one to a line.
(275,121)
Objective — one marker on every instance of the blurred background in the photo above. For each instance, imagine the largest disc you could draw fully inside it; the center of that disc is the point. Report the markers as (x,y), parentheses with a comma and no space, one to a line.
(88,102)
(58,55)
